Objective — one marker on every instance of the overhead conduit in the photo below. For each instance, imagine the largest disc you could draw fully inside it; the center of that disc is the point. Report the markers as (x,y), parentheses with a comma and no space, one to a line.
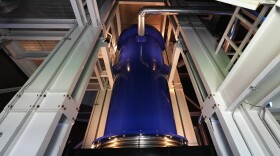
(163,10)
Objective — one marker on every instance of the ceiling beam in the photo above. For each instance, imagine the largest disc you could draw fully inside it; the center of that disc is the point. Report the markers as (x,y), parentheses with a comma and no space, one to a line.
(34,35)
(36,23)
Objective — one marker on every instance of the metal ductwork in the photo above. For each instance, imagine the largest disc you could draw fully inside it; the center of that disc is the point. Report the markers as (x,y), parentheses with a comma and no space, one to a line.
(175,11)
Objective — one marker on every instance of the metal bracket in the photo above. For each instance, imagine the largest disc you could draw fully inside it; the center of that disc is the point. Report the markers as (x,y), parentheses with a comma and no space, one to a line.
(209,106)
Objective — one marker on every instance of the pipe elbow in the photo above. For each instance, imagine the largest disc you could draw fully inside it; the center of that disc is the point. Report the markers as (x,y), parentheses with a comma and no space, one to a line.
(142,12)
(141,21)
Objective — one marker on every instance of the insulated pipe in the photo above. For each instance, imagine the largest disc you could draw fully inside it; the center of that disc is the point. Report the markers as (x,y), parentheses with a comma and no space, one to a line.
(174,11)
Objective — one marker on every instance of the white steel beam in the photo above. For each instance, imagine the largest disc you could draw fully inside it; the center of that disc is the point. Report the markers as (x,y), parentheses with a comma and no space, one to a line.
(201,45)
(255,131)
(197,85)
(186,118)
(244,131)
(174,61)
(118,18)
(163,25)
(84,78)
(34,35)
(105,54)
(14,23)
(266,85)
(218,137)
(43,111)
(253,60)
(177,118)
(232,134)
(168,35)
(79,12)
(230,23)
(211,70)
(105,10)
(114,34)
(272,123)
(179,104)
(110,19)
(94,12)
(104,114)
(92,129)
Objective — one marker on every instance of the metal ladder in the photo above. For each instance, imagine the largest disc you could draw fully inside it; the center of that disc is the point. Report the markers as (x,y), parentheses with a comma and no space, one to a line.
(253,27)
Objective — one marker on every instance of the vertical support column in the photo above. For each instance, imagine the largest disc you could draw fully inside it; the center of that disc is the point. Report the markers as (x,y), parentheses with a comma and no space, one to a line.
(118,17)
(256,131)
(201,44)
(183,119)
(93,12)
(104,52)
(79,12)
(186,118)
(168,34)
(197,85)
(92,129)
(163,25)
(103,118)
(44,110)
(218,137)
(174,61)
(177,116)
(114,34)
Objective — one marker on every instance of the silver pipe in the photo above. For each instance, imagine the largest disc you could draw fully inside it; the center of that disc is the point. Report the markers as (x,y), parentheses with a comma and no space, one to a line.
(162,10)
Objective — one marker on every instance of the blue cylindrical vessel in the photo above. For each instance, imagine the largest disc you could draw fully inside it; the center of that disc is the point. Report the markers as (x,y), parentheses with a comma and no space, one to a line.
(140,105)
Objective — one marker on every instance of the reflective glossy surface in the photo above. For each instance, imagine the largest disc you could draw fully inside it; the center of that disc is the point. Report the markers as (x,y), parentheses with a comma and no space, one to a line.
(140,102)
(140,141)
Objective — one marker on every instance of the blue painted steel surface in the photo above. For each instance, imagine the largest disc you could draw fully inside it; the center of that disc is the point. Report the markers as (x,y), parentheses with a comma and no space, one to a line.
(140,102)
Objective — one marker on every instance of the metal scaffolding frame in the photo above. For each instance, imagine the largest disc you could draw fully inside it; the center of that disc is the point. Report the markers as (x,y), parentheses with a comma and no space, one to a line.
(233,94)
(232,107)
